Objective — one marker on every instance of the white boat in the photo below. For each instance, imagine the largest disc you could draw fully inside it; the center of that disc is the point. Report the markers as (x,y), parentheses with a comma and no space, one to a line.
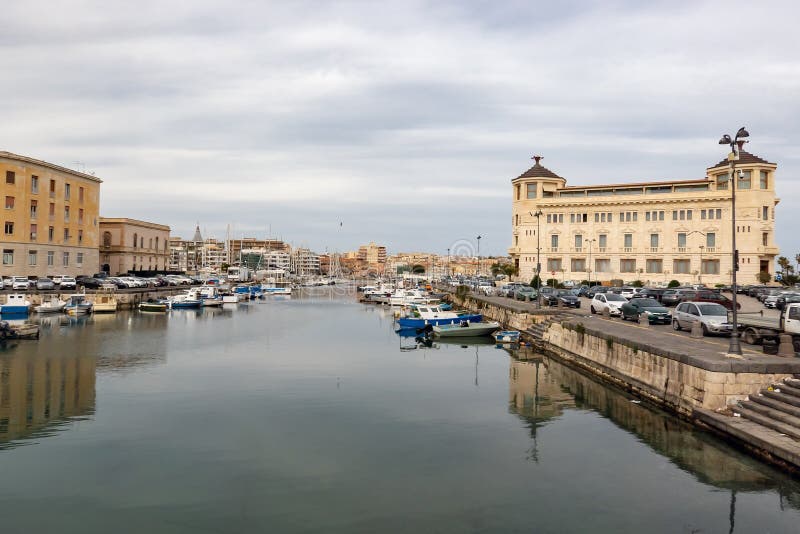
(77,304)
(465,329)
(210,296)
(105,300)
(405,297)
(54,305)
(16,304)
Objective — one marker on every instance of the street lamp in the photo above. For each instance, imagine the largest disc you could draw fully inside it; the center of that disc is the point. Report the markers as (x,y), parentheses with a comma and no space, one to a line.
(479,254)
(700,272)
(589,268)
(538,216)
(735,348)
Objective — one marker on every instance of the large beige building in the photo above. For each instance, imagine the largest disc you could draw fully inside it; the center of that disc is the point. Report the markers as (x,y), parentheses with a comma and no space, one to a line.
(652,231)
(50,218)
(372,254)
(131,245)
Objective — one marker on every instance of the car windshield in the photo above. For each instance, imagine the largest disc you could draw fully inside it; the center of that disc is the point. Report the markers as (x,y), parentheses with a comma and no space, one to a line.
(613,297)
(713,309)
(565,292)
(647,303)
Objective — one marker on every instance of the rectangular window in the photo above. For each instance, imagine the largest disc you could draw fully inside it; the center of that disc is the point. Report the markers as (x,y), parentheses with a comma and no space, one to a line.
(745,179)
(80,236)
(9,228)
(80,195)
(66,235)
(549,218)
(765,239)
(674,215)
(52,188)
(688,215)
(34,228)
(9,203)
(653,240)
(718,213)
(680,266)
(51,234)
(682,240)
(51,258)
(80,216)
(11,178)
(516,192)
(8,256)
(32,257)
(597,217)
(578,241)
(572,217)
(627,266)
(34,207)
(628,238)
(34,184)
(647,216)
(660,215)
(554,241)
(79,259)
(52,211)
(710,267)
(764,213)
(66,214)
(711,239)
(578,265)
(654,266)
(764,179)
(67,190)
(602,241)
(65,259)
(702,214)
(602,266)
(722,182)
(554,264)
(531,193)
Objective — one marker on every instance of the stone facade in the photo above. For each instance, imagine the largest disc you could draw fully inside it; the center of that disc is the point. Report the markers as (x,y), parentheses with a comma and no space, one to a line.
(132,245)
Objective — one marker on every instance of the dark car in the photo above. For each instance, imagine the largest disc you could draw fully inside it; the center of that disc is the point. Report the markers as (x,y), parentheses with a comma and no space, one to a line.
(592,291)
(562,297)
(91,283)
(45,283)
(689,295)
(652,292)
(655,311)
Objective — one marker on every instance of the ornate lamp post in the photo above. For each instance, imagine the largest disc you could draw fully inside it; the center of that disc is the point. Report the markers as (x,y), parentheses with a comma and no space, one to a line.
(589,267)
(538,216)
(479,254)
(735,348)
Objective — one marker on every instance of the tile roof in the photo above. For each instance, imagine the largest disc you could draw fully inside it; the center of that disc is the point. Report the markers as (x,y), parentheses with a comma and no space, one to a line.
(745,157)
(538,171)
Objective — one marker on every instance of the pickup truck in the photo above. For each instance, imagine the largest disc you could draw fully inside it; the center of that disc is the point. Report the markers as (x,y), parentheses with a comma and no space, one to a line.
(756,329)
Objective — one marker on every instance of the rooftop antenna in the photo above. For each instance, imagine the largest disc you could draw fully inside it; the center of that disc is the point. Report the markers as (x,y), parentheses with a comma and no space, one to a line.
(80,166)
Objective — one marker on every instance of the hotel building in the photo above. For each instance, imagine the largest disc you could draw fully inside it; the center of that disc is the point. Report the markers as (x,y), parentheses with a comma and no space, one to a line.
(50,220)
(651,231)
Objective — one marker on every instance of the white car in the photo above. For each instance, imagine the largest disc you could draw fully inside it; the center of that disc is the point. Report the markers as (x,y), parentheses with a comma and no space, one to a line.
(20,282)
(607,301)
(630,292)
(67,282)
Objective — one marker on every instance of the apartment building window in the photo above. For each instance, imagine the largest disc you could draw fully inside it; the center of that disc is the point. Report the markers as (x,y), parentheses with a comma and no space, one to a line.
(135,239)
(722,182)
(714,213)
(710,267)
(764,179)
(66,235)
(654,216)
(680,266)
(80,195)
(681,240)
(9,228)
(51,258)
(602,217)
(764,213)
(34,207)
(51,231)
(578,265)
(578,241)
(66,214)
(34,184)
(627,266)
(33,232)
(67,190)
(765,239)
(653,240)
(554,264)
(629,216)
(11,178)
(32,257)
(682,215)
(80,216)
(9,203)
(8,256)
(745,180)
(711,239)
(65,259)
(141,242)
(602,266)
(627,240)
(555,218)
(554,241)
(79,259)
(80,236)
(52,211)
(654,266)
(531,191)
(602,242)
(578,217)
(52,188)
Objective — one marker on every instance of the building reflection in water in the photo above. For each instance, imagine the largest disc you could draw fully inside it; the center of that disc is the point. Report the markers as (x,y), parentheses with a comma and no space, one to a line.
(541,389)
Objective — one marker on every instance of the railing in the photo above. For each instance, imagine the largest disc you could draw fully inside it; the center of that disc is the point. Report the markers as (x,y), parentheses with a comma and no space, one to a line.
(628,249)
(601,249)
(680,249)
(710,249)
(577,249)
(553,249)
(654,249)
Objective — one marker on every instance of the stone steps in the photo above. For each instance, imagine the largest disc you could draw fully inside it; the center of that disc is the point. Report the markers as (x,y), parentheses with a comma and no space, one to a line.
(778,409)
(538,329)
(788,389)
(768,421)
(783,397)
(776,404)
(794,382)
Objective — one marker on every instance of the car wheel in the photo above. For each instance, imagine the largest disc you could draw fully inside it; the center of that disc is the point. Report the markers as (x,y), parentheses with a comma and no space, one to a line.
(676,325)
(749,337)
(591,309)
(705,330)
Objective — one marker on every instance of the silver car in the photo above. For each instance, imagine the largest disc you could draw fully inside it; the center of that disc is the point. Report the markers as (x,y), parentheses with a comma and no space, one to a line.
(713,317)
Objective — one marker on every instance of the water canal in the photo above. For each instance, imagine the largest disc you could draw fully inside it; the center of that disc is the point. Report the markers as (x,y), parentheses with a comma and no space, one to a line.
(312,415)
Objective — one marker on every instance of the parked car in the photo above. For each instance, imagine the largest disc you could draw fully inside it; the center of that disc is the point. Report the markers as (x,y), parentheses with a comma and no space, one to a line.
(651,292)
(707,296)
(630,292)
(7,282)
(44,284)
(20,282)
(654,310)
(607,301)
(592,291)
(525,293)
(788,298)
(713,317)
(563,297)
(90,282)
(670,297)
(67,282)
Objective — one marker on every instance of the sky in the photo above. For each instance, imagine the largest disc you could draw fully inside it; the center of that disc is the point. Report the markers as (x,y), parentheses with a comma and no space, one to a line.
(331,124)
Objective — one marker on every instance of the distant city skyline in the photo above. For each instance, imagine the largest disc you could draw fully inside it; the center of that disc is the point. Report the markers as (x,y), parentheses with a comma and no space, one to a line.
(340,123)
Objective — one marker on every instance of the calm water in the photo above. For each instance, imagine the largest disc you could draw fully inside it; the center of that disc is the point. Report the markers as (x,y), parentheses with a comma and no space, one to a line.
(312,415)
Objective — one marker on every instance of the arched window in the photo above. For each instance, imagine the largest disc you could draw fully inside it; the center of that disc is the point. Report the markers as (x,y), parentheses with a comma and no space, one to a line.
(135,240)
(106,239)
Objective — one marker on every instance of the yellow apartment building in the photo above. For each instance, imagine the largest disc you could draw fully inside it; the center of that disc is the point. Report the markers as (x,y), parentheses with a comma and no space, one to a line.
(50,218)
(132,245)
(649,231)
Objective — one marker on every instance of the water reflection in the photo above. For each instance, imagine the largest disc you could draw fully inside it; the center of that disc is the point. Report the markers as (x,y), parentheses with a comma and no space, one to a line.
(541,390)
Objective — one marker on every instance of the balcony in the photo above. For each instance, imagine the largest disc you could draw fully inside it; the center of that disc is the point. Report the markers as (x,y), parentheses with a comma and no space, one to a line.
(654,250)
(601,250)
(33,236)
(628,249)
(767,250)
(576,249)
(553,249)
(680,249)
(710,249)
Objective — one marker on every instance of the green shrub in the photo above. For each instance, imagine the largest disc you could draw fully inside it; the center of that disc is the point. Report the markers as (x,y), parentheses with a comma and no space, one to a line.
(673,283)
(637,283)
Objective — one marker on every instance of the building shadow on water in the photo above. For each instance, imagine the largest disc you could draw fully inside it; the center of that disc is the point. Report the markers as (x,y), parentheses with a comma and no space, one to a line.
(542,389)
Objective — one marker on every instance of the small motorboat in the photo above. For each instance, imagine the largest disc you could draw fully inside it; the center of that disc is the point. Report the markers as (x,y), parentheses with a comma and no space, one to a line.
(507,336)
(433,315)
(105,300)
(54,305)
(465,329)
(190,299)
(210,297)
(77,304)
(16,304)
(157,306)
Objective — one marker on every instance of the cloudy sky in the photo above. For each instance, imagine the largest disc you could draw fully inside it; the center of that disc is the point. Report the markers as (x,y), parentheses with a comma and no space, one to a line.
(405,121)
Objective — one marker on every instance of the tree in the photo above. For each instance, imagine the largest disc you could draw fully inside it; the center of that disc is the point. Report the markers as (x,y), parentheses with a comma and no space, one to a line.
(536,281)
(783,263)
(673,283)
(507,269)
(764,277)
(637,283)
(418,269)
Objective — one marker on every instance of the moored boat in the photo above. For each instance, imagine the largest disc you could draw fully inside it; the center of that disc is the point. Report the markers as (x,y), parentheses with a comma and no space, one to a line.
(16,304)
(159,306)
(77,304)
(210,296)
(190,299)
(507,336)
(465,329)
(54,305)
(434,315)
(105,300)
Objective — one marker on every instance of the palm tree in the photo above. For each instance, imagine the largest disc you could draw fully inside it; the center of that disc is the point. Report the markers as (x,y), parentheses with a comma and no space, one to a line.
(783,263)
(797,261)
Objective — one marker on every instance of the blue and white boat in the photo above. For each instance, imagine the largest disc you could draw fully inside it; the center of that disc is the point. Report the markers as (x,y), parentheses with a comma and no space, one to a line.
(506,336)
(434,315)
(243,292)
(190,299)
(77,304)
(274,290)
(210,296)
(16,304)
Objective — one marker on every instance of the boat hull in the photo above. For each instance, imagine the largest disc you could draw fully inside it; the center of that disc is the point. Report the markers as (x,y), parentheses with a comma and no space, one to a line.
(14,310)
(152,307)
(413,322)
(507,336)
(470,330)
